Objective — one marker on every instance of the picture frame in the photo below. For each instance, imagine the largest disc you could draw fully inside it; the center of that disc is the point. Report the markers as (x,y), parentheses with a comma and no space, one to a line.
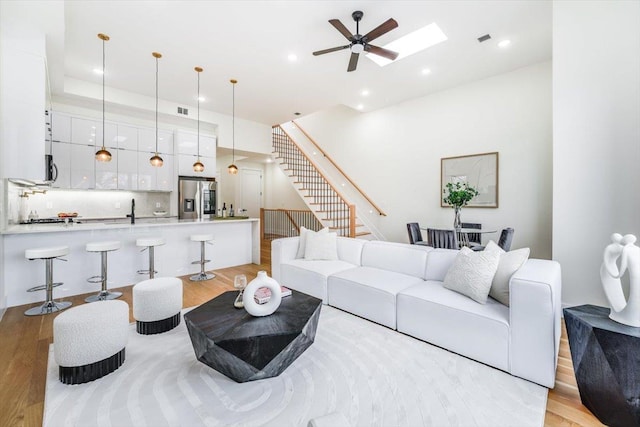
(480,171)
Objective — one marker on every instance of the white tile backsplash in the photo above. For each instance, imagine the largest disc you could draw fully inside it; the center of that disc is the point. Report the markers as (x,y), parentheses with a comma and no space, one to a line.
(87,203)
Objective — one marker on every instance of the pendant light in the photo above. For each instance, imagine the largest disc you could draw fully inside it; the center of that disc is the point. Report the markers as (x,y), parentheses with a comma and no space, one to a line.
(233,169)
(156,160)
(198,166)
(103,155)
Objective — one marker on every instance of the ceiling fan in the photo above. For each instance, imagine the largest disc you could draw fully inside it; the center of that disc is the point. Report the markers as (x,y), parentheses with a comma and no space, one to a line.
(359,43)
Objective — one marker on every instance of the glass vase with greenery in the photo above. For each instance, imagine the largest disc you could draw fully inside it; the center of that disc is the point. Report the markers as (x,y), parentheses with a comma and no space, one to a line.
(458,194)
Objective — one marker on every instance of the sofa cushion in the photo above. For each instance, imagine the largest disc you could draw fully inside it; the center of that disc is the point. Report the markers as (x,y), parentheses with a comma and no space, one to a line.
(310,277)
(472,272)
(302,242)
(510,262)
(321,246)
(396,257)
(432,313)
(350,250)
(369,292)
(438,263)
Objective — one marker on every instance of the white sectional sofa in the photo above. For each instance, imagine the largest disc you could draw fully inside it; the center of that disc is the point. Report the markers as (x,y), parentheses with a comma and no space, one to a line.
(401,286)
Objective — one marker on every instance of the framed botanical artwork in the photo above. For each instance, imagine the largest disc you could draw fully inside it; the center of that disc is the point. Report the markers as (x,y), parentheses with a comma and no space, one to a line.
(480,171)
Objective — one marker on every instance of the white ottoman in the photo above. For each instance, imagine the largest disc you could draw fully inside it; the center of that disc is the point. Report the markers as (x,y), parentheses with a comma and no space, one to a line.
(89,340)
(157,304)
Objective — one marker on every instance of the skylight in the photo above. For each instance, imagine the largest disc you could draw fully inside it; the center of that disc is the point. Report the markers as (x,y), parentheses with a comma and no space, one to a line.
(414,42)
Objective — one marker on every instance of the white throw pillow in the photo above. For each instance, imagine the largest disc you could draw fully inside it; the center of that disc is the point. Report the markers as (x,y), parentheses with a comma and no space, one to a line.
(509,263)
(302,242)
(321,246)
(472,272)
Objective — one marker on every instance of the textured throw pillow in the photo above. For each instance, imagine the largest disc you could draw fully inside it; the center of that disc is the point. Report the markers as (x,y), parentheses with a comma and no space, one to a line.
(321,246)
(509,263)
(472,272)
(302,242)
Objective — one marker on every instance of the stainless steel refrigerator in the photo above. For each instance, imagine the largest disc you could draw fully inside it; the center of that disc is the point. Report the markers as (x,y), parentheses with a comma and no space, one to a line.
(197,197)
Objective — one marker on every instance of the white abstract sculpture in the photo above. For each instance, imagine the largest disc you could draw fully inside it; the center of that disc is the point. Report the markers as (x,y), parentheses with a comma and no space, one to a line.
(623,247)
(262,281)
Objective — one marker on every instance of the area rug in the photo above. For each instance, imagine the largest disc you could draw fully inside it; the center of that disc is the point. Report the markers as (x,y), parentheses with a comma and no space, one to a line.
(373,375)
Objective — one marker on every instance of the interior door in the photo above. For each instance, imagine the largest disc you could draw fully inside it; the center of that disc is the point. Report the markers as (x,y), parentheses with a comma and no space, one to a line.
(250,192)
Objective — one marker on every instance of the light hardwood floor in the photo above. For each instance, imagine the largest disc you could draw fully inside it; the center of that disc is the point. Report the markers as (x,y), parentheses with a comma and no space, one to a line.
(24,343)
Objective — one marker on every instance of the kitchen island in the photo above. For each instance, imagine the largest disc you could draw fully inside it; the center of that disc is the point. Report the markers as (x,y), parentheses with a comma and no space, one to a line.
(236,242)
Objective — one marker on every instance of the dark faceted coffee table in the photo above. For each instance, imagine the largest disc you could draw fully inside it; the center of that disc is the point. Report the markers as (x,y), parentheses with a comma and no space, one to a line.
(247,348)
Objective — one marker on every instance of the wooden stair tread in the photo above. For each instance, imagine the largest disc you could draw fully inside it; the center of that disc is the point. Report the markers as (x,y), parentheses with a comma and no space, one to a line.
(362,233)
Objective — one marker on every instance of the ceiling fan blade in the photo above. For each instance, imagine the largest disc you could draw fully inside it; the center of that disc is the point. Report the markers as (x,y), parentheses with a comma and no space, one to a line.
(340,27)
(386,53)
(353,62)
(381,29)
(333,49)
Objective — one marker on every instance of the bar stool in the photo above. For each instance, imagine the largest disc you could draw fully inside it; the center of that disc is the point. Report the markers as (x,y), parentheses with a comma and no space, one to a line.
(103,248)
(47,254)
(149,243)
(202,238)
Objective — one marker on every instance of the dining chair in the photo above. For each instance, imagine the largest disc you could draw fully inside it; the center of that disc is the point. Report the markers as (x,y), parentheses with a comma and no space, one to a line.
(415,235)
(446,239)
(473,237)
(506,237)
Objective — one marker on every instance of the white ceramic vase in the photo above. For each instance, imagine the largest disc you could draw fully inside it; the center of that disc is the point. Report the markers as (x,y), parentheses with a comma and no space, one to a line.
(623,247)
(262,281)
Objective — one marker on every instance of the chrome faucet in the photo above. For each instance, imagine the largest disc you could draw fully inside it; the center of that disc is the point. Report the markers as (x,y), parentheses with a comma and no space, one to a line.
(132,215)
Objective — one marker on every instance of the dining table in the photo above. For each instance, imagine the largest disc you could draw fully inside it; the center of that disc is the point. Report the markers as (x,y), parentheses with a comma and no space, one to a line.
(463,234)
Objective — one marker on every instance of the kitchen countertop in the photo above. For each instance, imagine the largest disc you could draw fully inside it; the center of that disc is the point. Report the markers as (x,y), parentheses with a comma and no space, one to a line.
(84,224)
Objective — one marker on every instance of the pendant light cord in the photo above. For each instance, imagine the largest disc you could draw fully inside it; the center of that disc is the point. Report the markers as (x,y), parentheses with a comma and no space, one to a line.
(156,105)
(198,115)
(233,124)
(103,68)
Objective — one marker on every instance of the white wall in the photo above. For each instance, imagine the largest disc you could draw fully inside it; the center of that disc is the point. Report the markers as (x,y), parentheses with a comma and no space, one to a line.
(279,193)
(394,153)
(596,114)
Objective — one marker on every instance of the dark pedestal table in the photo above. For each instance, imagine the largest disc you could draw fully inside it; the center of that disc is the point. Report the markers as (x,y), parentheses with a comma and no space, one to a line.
(247,348)
(606,361)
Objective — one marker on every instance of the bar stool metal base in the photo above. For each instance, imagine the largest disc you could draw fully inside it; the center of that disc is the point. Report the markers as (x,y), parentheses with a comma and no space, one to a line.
(202,276)
(47,308)
(103,296)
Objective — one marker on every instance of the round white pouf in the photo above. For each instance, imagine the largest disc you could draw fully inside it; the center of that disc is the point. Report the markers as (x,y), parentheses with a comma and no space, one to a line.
(157,304)
(262,281)
(89,340)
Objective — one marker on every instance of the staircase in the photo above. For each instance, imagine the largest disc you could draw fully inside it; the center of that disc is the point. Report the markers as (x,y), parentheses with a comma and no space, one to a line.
(331,208)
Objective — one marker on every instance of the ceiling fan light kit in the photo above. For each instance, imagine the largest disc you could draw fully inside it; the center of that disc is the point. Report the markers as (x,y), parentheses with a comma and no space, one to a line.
(359,43)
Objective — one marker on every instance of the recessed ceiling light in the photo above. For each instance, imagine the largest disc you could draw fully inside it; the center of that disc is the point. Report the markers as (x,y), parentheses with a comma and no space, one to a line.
(360,107)
(98,71)
(504,43)
(200,98)
(365,92)
(269,160)
(426,71)
(414,42)
(292,57)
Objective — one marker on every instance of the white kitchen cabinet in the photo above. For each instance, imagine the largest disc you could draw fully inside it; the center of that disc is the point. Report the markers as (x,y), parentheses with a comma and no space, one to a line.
(165,176)
(61,152)
(186,161)
(207,146)
(60,127)
(89,132)
(147,140)
(83,166)
(187,143)
(127,137)
(127,169)
(146,172)
(22,129)
(107,172)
